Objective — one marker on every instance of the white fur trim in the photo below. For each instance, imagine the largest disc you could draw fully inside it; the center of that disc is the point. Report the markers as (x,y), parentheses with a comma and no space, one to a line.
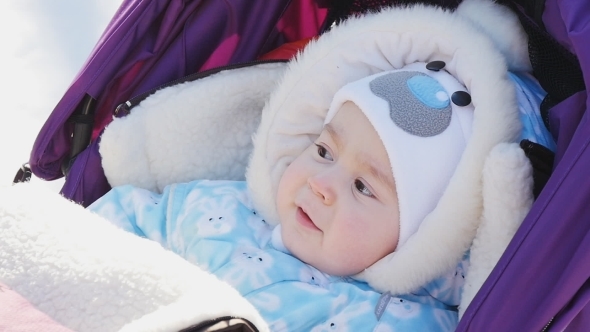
(507,196)
(388,40)
(89,275)
(195,130)
(503,28)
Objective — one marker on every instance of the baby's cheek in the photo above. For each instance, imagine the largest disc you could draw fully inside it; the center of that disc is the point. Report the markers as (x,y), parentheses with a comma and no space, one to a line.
(363,244)
(347,245)
(353,228)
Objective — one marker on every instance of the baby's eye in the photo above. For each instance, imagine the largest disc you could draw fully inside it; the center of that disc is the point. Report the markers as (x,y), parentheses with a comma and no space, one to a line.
(323,152)
(360,186)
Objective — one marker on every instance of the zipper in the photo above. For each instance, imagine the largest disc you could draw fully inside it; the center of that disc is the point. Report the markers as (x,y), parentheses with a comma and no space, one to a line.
(124,109)
(546,327)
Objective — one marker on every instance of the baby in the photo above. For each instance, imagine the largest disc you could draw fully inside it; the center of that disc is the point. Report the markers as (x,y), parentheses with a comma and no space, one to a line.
(388,148)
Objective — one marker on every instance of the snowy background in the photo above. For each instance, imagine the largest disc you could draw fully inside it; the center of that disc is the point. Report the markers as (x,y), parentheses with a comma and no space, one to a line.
(44,44)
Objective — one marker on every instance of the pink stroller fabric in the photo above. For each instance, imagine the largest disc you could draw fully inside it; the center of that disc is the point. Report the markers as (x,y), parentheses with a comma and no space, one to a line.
(18,315)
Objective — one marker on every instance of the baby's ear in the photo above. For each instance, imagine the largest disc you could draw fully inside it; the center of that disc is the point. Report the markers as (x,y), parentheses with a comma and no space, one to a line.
(507,198)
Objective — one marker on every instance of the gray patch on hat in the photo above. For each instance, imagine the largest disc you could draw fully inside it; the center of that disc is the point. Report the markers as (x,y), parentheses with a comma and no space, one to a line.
(407,110)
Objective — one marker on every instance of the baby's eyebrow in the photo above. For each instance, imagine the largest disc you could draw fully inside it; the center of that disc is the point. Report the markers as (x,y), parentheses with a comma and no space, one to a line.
(334,134)
(368,163)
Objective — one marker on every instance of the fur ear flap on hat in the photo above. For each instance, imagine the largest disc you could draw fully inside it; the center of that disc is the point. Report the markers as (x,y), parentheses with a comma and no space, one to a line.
(507,190)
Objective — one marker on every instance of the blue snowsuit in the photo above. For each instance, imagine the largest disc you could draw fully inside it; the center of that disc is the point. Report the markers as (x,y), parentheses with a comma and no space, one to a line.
(214,225)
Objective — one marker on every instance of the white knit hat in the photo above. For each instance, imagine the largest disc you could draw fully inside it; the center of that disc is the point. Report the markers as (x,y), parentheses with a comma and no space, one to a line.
(424,118)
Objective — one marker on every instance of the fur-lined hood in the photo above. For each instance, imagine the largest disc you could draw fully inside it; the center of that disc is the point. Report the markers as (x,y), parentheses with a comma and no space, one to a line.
(479,42)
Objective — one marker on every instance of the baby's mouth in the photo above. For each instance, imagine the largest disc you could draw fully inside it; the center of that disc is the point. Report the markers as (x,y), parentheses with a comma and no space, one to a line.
(304,219)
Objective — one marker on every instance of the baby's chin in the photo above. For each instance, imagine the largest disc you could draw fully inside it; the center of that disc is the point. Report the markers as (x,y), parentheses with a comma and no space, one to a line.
(312,256)
(338,270)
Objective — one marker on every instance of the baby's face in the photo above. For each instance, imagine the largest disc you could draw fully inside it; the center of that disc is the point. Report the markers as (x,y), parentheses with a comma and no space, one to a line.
(337,201)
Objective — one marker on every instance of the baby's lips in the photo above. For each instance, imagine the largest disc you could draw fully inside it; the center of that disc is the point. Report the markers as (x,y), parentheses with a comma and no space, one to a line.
(305,219)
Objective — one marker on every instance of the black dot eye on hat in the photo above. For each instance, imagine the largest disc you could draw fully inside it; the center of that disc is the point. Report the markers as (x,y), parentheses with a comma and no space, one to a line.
(461,98)
(435,65)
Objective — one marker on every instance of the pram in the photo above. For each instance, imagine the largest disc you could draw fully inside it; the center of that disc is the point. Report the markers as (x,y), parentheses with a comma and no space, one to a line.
(536,247)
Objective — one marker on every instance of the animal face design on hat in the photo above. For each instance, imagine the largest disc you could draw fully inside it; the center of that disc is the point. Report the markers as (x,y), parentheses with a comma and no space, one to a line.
(427,99)
(429,103)
(423,116)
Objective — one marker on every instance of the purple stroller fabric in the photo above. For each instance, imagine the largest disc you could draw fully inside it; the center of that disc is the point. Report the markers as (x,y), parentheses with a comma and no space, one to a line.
(543,275)
(149,43)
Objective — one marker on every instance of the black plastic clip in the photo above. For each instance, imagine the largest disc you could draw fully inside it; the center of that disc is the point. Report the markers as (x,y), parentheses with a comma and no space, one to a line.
(23,175)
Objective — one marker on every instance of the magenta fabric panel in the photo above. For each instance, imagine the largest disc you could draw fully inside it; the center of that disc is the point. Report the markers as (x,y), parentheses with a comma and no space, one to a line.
(302,20)
(242,32)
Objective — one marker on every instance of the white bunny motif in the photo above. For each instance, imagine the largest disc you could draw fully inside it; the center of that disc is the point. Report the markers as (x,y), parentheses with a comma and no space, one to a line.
(249,269)
(215,218)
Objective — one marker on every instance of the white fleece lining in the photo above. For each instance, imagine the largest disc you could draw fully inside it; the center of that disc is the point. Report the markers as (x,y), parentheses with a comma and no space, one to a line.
(293,118)
(507,168)
(195,130)
(89,275)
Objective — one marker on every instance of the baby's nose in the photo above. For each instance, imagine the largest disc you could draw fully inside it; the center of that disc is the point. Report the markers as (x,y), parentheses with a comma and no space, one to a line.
(322,187)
